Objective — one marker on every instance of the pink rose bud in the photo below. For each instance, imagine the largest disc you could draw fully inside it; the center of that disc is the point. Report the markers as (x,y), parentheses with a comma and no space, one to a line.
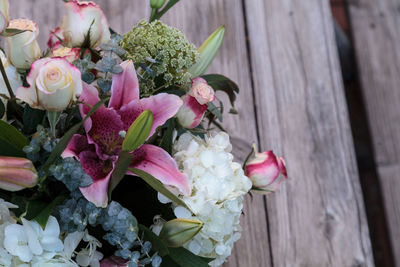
(191,112)
(56,38)
(200,90)
(70,54)
(17,174)
(265,170)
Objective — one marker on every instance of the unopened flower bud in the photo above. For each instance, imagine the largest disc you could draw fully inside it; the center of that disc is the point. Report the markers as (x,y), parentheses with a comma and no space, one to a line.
(17,174)
(265,170)
(177,232)
(157,4)
(191,112)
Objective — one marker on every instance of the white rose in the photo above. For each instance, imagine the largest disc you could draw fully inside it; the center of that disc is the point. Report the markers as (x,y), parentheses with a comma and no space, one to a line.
(23,49)
(13,77)
(82,16)
(54,84)
(4,14)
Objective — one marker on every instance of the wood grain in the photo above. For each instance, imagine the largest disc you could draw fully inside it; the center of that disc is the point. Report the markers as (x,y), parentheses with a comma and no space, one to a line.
(376,36)
(318,218)
(197,20)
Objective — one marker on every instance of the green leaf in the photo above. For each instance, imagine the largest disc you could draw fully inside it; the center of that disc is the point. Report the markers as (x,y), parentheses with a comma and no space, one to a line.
(166,142)
(60,147)
(158,244)
(208,50)
(185,258)
(138,132)
(11,32)
(44,215)
(222,83)
(122,165)
(158,186)
(177,232)
(215,111)
(2,109)
(34,208)
(12,135)
(11,141)
(32,118)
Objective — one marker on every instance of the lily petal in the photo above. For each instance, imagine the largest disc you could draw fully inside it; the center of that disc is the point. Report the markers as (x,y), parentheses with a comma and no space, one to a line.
(77,144)
(100,171)
(157,162)
(125,86)
(163,106)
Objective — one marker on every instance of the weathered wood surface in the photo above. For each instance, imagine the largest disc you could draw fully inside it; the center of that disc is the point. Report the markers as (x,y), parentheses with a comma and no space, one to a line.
(317,218)
(376,36)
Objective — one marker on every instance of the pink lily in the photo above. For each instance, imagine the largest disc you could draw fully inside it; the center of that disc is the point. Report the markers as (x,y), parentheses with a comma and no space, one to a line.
(98,151)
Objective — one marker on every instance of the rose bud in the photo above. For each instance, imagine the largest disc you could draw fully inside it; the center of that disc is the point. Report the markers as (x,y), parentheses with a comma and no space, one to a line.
(265,170)
(195,103)
(157,4)
(200,90)
(53,84)
(17,174)
(4,19)
(177,232)
(67,53)
(82,16)
(23,49)
(56,38)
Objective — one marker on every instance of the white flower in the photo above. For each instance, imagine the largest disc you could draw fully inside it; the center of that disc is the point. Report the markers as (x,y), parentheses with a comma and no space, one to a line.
(218,186)
(87,258)
(16,242)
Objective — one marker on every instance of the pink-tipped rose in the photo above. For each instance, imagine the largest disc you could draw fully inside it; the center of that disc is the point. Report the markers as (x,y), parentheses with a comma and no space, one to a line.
(67,53)
(195,103)
(80,17)
(265,171)
(54,85)
(17,174)
(23,49)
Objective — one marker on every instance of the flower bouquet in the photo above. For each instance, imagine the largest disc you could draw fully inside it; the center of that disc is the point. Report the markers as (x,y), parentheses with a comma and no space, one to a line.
(111,147)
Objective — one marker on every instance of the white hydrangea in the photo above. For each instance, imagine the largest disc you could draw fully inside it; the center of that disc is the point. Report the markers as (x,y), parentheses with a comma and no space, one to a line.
(218,189)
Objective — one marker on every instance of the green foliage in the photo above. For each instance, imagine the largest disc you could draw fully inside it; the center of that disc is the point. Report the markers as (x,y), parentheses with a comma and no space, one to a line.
(2,109)
(11,141)
(163,53)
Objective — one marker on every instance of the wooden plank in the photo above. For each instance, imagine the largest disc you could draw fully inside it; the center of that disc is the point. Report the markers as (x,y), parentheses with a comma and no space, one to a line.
(376,37)
(197,20)
(318,218)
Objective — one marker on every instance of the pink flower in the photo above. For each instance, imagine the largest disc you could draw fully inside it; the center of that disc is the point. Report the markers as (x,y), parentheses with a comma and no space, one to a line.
(191,113)
(264,171)
(114,261)
(200,90)
(56,38)
(195,103)
(80,17)
(98,150)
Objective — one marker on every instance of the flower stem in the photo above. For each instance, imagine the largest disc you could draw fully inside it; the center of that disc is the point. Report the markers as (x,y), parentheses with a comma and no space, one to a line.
(54,117)
(7,82)
(158,15)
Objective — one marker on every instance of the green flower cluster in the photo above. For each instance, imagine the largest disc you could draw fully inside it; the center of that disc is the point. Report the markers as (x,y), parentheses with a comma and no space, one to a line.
(163,53)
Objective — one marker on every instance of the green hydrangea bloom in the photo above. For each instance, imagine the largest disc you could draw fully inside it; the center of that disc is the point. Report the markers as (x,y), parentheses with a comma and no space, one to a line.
(163,51)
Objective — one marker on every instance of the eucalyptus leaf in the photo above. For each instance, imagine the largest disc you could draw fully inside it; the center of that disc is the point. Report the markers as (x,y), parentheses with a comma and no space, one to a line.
(63,143)
(158,244)
(158,186)
(138,132)
(105,85)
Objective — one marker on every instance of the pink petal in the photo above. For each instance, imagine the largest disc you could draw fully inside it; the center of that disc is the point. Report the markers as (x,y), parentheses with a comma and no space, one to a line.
(157,162)
(125,86)
(100,171)
(77,144)
(164,106)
